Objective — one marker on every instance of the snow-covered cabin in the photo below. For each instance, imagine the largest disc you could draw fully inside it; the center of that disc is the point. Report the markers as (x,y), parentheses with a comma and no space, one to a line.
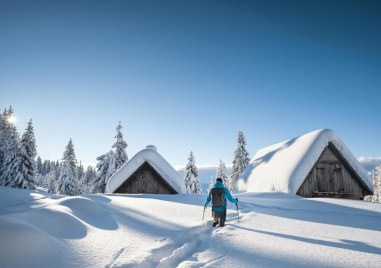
(312,165)
(146,172)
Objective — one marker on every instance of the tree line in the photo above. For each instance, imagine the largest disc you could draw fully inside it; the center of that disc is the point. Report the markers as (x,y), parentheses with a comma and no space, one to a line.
(240,162)
(19,167)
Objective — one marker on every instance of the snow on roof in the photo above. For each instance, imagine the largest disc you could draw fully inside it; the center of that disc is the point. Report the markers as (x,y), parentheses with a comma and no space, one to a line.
(150,155)
(284,166)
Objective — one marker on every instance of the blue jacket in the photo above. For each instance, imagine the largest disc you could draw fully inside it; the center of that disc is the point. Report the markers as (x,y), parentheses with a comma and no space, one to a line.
(227,194)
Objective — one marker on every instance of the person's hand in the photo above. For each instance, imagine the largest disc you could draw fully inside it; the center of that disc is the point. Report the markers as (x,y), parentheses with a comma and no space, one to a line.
(236,199)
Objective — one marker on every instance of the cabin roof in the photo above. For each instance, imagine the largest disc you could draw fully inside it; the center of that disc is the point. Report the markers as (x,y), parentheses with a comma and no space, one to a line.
(284,166)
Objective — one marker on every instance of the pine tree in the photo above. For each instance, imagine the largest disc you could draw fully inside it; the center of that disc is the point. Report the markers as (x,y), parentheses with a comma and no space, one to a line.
(192,184)
(222,173)
(67,183)
(51,180)
(120,146)
(39,165)
(57,169)
(88,179)
(81,174)
(9,148)
(240,162)
(377,184)
(105,168)
(25,162)
(2,138)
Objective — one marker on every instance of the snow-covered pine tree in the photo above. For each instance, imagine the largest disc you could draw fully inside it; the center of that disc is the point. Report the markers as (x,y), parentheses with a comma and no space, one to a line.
(81,171)
(377,184)
(105,168)
(88,179)
(222,173)
(240,162)
(67,183)
(120,146)
(25,162)
(39,165)
(57,169)
(81,174)
(192,184)
(2,133)
(46,167)
(9,147)
(51,180)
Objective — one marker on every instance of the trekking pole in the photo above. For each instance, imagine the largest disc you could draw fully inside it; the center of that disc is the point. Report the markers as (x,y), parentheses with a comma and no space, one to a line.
(236,204)
(203,214)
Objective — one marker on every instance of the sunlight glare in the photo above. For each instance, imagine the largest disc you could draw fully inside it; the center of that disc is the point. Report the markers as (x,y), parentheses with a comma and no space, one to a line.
(12,119)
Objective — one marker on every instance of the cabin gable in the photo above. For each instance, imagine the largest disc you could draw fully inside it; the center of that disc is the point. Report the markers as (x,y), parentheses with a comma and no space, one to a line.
(145,180)
(332,176)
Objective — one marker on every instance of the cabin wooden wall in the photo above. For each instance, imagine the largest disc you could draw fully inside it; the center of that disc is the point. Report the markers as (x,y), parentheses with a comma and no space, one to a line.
(331,175)
(145,180)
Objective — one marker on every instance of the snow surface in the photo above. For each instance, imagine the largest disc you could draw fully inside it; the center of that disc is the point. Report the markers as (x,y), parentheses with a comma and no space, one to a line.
(150,155)
(275,230)
(283,167)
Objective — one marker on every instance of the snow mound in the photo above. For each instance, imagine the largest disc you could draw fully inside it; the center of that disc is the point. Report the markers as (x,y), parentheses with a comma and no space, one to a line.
(88,211)
(150,155)
(283,167)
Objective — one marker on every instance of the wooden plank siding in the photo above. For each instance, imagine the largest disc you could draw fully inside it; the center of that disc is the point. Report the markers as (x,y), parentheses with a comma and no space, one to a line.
(145,180)
(332,176)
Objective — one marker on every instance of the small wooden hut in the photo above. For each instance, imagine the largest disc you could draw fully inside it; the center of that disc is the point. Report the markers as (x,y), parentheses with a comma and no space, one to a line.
(317,164)
(146,172)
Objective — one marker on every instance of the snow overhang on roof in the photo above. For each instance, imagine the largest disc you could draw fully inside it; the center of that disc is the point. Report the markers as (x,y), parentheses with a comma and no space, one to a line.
(150,155)
(284,166)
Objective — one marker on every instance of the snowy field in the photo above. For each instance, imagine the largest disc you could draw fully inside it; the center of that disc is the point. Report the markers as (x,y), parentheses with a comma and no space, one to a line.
(275,230)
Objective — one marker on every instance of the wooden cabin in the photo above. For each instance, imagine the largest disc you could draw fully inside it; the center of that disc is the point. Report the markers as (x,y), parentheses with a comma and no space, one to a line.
(147,172)
(317,164)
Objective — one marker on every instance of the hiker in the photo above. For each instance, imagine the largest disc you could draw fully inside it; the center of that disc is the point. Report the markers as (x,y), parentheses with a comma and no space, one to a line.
(218,196)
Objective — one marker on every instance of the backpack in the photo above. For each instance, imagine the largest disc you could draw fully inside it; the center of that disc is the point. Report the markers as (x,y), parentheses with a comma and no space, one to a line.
(218,197)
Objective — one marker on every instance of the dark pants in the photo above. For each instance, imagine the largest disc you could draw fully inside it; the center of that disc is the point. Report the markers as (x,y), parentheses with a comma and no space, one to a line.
(219,218)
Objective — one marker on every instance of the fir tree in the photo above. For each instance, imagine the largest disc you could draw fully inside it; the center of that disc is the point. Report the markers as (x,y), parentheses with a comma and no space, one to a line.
(81,174)
(105,168)
(67,183)
(57,169)
(377,184)
(9,148)
(39,165)
(88,179)
(222,173)
(192,184)
(2,138)
(241,160)
(51,180)
(25,162)
(120,146)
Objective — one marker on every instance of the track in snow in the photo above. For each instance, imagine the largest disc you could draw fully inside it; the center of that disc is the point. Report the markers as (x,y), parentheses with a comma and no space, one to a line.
(180,251)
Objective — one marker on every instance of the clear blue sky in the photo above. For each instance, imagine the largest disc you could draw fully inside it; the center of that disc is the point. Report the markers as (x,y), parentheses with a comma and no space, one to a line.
(188,75)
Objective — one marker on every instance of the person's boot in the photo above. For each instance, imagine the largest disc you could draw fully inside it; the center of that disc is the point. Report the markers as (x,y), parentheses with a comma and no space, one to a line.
(215,223)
